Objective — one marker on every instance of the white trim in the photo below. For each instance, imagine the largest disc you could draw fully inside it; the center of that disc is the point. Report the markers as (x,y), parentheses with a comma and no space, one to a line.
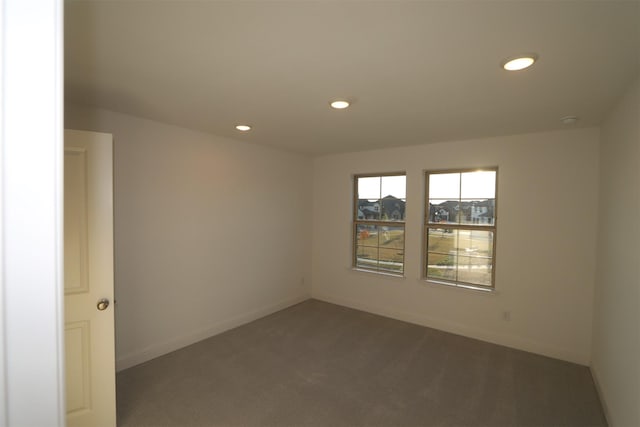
(378,273)
(159,349)
(3,364)
(459,329)
(460,285)
(31,219)
(601,395)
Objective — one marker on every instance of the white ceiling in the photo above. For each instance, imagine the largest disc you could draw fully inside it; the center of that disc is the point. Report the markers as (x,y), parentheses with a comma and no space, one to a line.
(418,72)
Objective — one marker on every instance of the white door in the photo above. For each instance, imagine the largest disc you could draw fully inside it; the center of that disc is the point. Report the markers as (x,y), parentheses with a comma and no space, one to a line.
(88,279)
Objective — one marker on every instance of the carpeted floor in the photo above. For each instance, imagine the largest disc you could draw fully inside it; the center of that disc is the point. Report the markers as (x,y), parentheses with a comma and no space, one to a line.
(319,364)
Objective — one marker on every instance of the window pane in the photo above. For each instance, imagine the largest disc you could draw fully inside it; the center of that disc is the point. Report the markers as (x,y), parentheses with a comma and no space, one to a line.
(442,254)
(369,188)
(444,186)
(444,211)
(380,248)
(478,185)
(441,266)
(395,186)
(475,243)
(369,209)
(474,270)
(391,238)
(442,240)
(460,255)
(367,257)
(367,235)
(478,212)
(392,209)
(391,260)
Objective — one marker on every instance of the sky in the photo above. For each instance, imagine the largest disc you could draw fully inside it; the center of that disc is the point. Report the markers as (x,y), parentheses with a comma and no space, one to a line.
(468,185)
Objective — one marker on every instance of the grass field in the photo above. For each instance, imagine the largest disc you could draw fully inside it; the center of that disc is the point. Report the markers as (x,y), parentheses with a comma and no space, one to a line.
(454,255)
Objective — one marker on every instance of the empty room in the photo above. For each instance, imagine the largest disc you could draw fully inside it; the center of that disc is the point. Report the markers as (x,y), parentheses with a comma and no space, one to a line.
(351,213)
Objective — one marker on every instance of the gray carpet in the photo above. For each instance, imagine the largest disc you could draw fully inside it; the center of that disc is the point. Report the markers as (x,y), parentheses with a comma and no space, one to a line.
(319,364)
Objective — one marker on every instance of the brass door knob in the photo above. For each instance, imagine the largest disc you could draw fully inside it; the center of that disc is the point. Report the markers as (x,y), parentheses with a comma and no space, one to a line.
(102,304)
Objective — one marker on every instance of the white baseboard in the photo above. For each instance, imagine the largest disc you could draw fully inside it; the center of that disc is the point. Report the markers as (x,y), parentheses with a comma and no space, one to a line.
(464,330)
(601,395)
(159,349)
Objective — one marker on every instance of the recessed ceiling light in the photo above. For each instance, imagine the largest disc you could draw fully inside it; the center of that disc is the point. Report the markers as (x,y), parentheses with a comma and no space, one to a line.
(569,120)
(339,104)
(520,62)
(243,128)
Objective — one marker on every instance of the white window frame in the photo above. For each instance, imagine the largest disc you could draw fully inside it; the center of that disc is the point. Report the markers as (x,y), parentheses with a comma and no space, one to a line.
(427,226)
(381,223)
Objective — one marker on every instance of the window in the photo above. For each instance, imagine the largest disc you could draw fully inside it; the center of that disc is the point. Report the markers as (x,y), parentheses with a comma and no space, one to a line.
(460,227)
(378,222)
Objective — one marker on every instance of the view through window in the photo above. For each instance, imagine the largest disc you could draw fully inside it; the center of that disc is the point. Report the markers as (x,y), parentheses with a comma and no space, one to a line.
(378,223)
(460,227)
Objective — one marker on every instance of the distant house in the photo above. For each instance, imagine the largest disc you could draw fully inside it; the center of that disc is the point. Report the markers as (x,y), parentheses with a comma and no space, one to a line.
(447,211)
(473,211)
(439,214)
(481,211)
(368,209)
(393,208)
(387,208)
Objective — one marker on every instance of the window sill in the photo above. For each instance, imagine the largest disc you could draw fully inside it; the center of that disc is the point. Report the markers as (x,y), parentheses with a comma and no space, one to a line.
(477,289)
(378,273)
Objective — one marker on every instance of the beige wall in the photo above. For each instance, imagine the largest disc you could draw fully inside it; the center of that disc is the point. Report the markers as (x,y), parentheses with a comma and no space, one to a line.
(616,326)
(546,244)
(209,232)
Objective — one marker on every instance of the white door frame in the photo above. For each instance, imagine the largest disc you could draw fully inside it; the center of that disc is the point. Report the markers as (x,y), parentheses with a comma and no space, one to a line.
(31,162)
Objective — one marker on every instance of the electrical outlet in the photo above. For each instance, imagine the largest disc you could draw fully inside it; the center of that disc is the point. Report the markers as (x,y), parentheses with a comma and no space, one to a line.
(506,316)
